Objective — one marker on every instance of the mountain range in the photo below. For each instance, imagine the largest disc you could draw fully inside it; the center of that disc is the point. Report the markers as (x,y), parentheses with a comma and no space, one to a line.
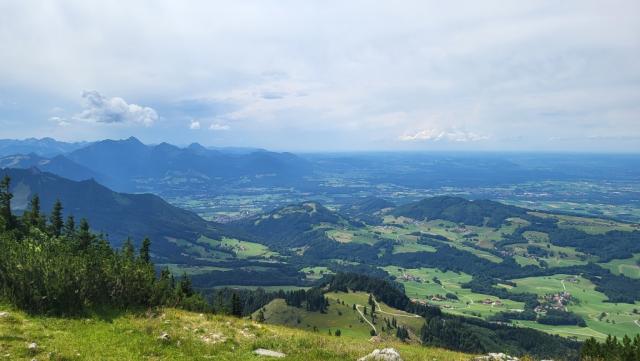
(130,166)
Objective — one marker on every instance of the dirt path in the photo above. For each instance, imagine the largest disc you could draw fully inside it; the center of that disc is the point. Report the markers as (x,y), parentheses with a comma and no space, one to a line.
(365,319)
(378,309)
(637,322)
(563,286)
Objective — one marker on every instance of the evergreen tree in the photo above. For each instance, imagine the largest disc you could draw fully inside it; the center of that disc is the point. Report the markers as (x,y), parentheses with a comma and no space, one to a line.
(6,217)
(56,219)
(185,286)
(338,333)
(145,251)
(85,238)
(236,307)
(69,230)
(32,217)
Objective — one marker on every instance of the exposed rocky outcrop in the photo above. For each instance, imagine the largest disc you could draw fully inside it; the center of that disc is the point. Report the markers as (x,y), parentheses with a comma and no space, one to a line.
(269,353)
(386,354)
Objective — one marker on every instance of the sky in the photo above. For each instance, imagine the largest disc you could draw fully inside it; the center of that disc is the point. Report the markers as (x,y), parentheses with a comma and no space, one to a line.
(325,75)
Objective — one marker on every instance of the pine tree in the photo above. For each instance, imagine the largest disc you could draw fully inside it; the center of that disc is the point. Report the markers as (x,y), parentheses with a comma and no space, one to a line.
(6,217)
(145,251)
(85,238)
(32,216)
(185,286)
(236,306)
(56,219)
(69,230)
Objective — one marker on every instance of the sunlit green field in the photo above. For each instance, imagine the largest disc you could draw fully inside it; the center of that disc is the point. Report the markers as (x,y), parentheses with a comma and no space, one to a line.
(468,303)
(629,267)
(602,317)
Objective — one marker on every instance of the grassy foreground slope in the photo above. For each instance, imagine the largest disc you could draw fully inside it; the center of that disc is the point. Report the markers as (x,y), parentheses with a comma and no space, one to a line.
(191,336)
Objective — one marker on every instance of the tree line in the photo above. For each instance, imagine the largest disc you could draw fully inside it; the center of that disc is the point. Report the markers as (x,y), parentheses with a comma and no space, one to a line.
(51,265)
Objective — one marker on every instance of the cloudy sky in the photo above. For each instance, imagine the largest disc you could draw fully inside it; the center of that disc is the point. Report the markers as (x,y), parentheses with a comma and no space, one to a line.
(325,75)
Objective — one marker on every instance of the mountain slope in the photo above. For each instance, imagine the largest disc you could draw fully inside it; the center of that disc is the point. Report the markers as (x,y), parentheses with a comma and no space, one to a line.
(190,336)
(59,165)
(460,210)
(295,225)
(367,209)
(119,215)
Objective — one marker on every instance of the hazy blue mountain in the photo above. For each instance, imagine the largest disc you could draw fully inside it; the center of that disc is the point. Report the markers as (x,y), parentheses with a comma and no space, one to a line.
(119,215)
(46,147)
(59,165)
(133,163)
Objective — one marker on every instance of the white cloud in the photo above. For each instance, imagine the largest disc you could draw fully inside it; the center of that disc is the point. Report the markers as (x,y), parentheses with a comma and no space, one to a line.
(194,125)
(219,126)
(435,135)
(60,121)
(358,72)
(98,108)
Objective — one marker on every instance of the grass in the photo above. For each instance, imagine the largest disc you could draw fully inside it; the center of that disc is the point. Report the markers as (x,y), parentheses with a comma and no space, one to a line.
(192,336)
(629,267)
(468,303)
(341,315)
(619,318)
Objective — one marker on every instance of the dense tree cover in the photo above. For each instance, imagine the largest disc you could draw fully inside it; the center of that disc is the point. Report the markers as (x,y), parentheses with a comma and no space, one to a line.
(476,336)
(611,349)
(390,293)
(241,273)
(366,209)
(460,210)
(558,317)
(312,300)
(49,268)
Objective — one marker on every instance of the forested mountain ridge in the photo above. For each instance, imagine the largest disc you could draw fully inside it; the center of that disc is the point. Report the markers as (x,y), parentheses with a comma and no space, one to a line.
(117,215)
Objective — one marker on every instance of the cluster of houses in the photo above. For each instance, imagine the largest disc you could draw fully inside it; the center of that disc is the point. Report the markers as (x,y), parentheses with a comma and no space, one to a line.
(555,301)
(492,303)
(409,277)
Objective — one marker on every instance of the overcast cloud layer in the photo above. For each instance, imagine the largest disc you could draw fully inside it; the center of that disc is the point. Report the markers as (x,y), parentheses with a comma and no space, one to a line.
(325,75)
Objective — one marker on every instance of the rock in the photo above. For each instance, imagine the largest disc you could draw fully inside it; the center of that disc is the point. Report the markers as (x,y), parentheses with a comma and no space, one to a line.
(246,333)
(386,354)
(493,356)
(4,314)
(32,347)
(268,353)
(214,338)
(164,337)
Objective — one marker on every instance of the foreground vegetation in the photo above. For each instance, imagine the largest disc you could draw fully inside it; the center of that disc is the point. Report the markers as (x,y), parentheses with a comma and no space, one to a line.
(171,334)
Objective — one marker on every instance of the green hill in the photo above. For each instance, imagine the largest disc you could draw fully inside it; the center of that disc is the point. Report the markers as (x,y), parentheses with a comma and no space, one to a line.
(189,336)
(460,210)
